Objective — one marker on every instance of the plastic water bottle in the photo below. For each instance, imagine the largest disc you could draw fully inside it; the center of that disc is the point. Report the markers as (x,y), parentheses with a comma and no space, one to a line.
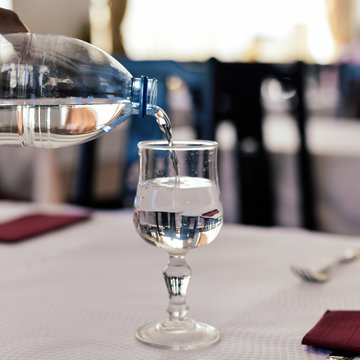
(57,91)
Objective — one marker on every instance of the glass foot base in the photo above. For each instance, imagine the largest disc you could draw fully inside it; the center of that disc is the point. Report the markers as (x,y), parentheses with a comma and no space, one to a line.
(178,334)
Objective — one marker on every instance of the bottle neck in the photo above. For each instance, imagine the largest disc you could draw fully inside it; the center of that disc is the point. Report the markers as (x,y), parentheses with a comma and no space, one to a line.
(143,95)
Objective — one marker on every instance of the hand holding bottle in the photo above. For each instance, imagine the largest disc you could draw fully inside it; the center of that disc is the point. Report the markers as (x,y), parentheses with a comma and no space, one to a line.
(10,22)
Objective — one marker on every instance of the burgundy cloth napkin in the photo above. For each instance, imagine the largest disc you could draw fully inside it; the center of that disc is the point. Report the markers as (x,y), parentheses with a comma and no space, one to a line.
(27,226)
(336,330)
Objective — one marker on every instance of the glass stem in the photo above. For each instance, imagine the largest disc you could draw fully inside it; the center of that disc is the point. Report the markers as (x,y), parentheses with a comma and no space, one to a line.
(177,276)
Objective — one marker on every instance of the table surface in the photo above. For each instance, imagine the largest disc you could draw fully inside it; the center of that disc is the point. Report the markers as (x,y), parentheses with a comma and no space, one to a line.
(81,292)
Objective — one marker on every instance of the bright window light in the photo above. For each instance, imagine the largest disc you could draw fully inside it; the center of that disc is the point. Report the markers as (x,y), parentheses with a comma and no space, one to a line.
(320,42)
(199,29)
(7,4)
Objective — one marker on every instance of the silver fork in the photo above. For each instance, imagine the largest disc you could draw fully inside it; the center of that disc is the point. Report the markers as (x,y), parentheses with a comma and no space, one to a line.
(323,274)
(340,356)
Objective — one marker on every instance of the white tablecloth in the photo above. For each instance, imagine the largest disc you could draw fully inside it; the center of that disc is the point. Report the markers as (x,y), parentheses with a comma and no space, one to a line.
(81,292)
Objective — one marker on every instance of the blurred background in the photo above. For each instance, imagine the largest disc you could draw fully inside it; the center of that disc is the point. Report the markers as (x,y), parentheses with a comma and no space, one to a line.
(289,132)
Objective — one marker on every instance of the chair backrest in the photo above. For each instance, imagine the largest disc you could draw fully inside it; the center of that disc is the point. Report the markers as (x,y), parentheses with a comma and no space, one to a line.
(294,76)
(237,98)
(196,77)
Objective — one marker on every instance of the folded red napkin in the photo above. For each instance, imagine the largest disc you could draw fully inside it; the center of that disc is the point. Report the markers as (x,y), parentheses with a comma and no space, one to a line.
(336,330)
(31,225)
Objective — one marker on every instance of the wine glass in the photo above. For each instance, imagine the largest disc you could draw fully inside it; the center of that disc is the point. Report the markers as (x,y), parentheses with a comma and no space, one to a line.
(177,208)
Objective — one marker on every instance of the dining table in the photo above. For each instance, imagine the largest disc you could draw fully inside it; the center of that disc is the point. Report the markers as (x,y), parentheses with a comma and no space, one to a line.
(81,292)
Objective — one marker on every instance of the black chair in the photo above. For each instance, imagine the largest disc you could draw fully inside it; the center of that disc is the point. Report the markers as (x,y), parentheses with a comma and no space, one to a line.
(196,77)
(237,98)
(294,76)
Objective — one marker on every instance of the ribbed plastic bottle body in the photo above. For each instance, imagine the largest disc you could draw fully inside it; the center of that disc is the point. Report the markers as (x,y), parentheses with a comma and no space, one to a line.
(57,91)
